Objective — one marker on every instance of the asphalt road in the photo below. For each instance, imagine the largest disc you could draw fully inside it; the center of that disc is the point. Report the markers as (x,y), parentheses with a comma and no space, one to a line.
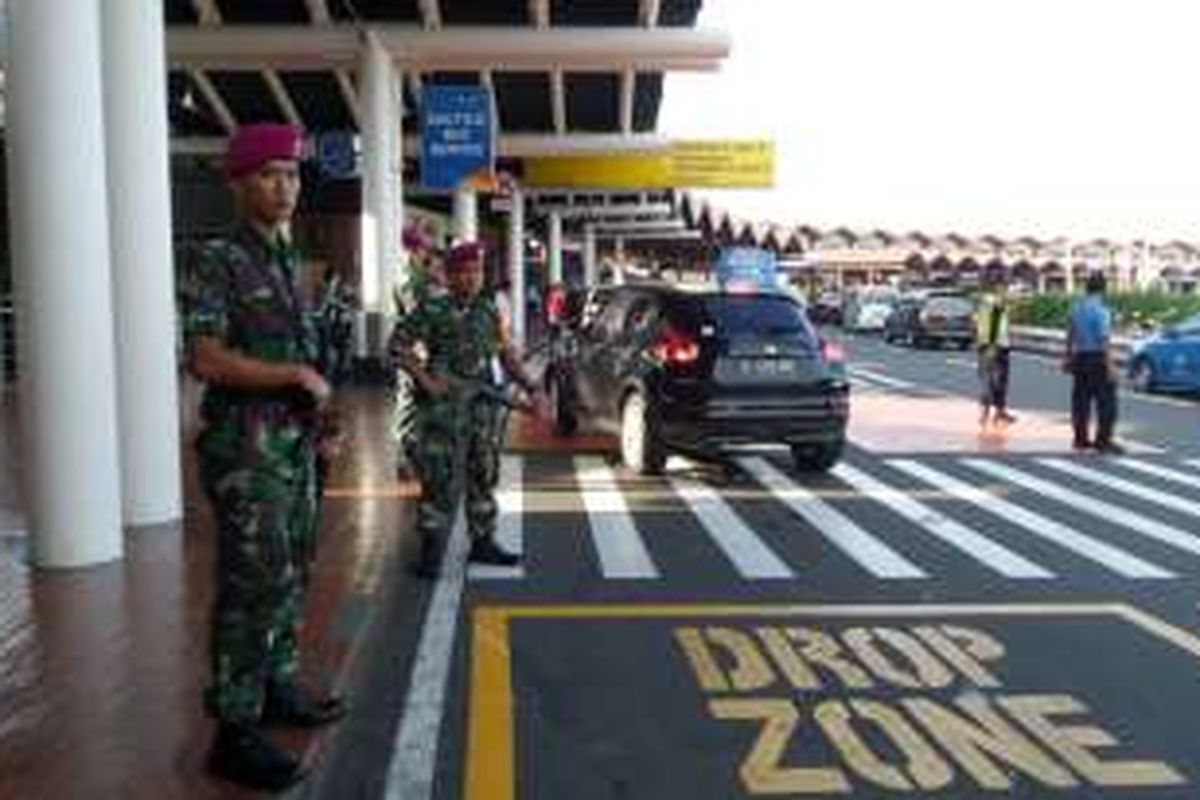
(953,618)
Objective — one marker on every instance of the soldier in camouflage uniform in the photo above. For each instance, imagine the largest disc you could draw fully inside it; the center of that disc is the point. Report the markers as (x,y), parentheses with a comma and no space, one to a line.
(251,338)
(426,280)
(449,346)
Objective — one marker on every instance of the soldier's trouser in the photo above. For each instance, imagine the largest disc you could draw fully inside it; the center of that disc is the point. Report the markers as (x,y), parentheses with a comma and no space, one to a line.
(433,453)
(266,533)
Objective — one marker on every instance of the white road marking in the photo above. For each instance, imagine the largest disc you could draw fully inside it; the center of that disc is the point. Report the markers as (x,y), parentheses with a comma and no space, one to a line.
(1165,499)
(620,547)
(877,377)
(1111,557)
(875,556)
(741,545)
(1088,504)
(1158,471)
(509,524)
(414,752)
(953,533)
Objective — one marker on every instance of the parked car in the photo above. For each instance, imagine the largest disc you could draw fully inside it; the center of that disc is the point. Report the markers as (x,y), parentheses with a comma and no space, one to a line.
(932,320)
(1168,360)
(673,369)
(826,309)
(867,309)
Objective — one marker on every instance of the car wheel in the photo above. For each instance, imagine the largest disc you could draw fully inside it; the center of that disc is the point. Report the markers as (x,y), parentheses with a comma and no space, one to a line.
(564,420)
(641,448)
(810,458)
(1143,376)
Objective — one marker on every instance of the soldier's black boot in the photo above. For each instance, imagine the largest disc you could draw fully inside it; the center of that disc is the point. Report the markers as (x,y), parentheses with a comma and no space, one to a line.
(484,550)
(285,703)
(241,754)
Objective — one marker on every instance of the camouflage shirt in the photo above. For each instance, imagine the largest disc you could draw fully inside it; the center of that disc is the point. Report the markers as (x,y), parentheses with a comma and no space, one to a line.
(458,341)
(243,290)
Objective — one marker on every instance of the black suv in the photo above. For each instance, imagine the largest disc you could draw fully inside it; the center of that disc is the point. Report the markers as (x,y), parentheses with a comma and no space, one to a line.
(669,368)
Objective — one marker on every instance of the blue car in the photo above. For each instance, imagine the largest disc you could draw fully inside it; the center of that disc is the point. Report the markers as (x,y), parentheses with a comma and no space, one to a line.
(1168,360)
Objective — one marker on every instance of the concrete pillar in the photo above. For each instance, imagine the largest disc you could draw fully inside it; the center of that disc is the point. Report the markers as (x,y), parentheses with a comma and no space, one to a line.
(379,100)
(466,215)
(139,205)
(590,271)
(516,267)
(60,248)
(554,247)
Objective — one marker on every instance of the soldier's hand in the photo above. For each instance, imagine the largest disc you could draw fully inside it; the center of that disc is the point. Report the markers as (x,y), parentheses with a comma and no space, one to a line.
(311,381)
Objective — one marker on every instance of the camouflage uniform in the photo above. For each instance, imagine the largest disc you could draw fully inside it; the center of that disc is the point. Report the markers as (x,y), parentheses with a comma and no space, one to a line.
(461,342)
(417,291)
(257,457)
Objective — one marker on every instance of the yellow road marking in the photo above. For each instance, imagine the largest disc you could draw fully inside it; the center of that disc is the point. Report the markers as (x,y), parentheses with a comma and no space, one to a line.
(490,767)
(490,770)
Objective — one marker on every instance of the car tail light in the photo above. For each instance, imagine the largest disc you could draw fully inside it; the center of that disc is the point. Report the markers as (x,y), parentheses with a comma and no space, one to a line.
(676,348)
(833,352)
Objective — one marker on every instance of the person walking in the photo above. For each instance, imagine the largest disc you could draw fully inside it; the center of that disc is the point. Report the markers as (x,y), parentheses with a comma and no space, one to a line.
(994,349)
(448,347)
(1089,360)
(252,339)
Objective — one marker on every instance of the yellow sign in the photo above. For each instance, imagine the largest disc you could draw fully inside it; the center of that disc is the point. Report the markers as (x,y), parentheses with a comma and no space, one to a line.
(699,164)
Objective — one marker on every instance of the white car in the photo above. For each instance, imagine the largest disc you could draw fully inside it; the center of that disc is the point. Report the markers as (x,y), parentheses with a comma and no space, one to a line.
(867,309)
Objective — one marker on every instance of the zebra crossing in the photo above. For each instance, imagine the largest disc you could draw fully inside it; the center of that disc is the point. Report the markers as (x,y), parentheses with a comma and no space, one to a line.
(871,381)
(1022,518)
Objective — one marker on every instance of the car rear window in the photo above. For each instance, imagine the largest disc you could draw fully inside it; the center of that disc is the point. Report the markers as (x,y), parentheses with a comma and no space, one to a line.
(739,317)
(950,306)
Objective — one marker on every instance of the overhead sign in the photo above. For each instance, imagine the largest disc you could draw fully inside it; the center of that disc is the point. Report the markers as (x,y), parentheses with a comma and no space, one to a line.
(457,137)
(747,267)
(336,154)
(699,164)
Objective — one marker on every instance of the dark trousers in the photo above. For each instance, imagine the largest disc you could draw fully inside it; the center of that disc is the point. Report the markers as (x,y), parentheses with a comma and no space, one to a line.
(1093,384)
(993,375)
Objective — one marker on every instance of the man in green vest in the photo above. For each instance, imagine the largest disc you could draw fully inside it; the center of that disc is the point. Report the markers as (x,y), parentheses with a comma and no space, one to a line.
(994,346)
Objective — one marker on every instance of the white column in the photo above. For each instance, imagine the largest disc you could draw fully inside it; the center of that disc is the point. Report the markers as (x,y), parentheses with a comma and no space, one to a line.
(139,204)
(60,248)
(516,267)
(554,246)
(378,86)
(589,256)
(395,264)
(466,215)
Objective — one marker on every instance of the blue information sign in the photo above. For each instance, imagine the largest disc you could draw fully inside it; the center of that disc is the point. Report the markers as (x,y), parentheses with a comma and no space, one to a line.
(747,267)
(335,153)
(456,135)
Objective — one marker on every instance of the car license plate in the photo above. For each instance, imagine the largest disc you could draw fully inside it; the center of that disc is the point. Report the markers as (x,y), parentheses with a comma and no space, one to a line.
(768,367)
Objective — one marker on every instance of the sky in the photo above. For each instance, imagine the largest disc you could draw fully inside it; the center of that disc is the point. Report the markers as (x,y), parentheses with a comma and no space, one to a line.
(1013,117)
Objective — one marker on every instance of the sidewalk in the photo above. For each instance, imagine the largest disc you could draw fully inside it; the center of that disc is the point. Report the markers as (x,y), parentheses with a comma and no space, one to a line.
(101,669)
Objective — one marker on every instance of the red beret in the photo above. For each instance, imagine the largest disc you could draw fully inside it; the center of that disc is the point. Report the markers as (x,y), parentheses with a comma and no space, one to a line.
(416,237)
(464,253)
(251,146)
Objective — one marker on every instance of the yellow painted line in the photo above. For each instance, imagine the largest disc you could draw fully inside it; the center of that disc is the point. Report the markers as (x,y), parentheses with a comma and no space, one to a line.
(673,611)
(1163,630)
(490,767)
